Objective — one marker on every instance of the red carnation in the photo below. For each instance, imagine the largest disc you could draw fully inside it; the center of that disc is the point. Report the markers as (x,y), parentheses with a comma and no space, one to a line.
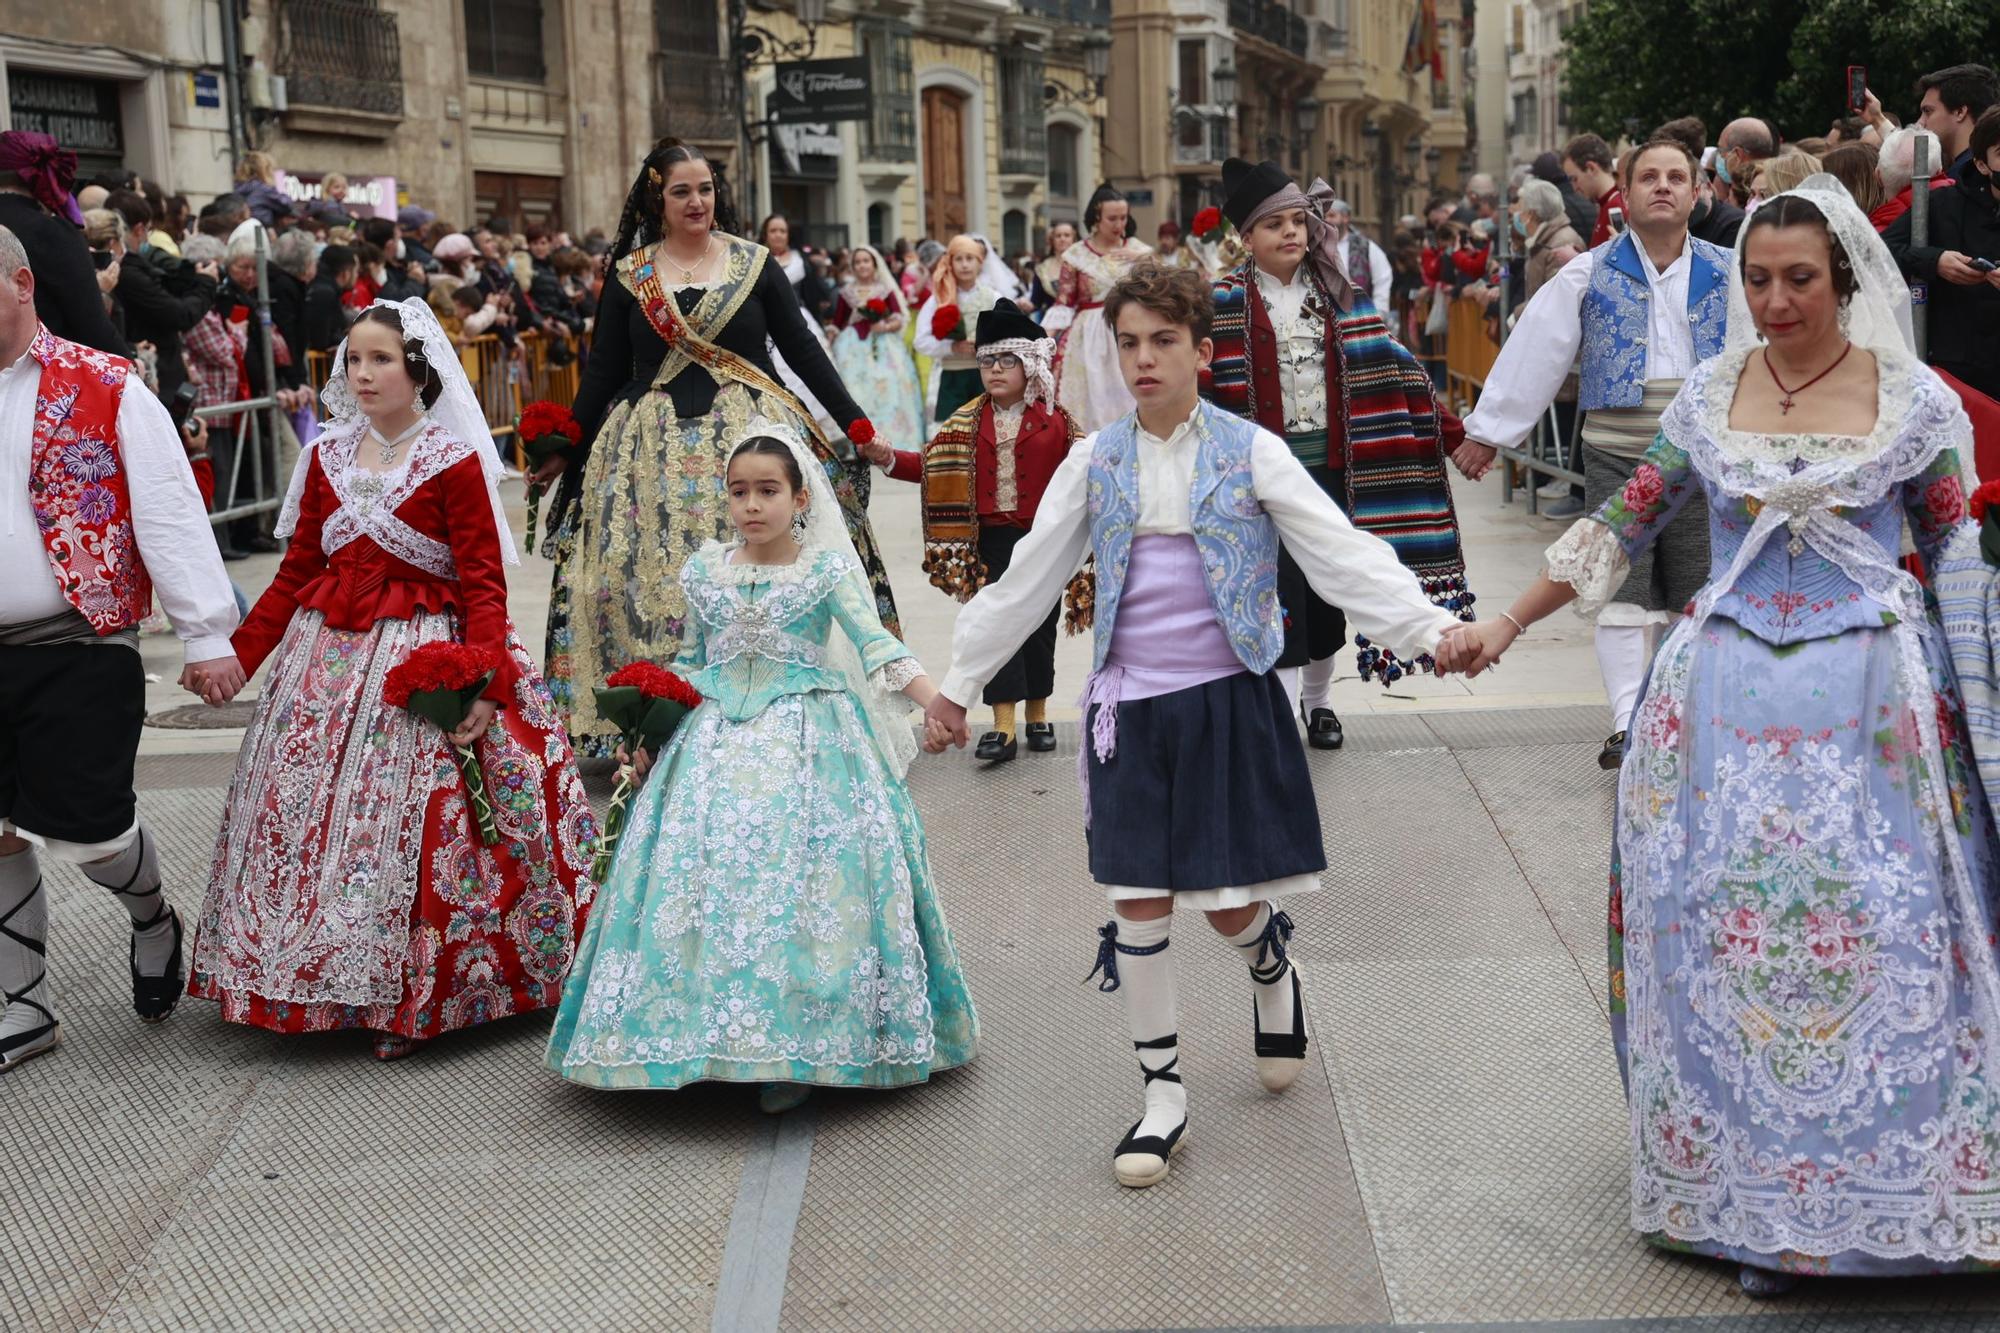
(440,682)
(946,324)
(541,419)
(878,309)
(1987,495)
(861,431)
(1207,223)
(655,682)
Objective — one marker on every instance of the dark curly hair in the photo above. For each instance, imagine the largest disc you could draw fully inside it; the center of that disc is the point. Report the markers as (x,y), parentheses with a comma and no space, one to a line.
(1791,210)
(430,384)
(639,224)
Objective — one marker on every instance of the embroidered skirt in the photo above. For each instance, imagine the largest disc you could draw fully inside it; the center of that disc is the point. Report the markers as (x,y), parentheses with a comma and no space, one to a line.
(350,887)
(1208,790)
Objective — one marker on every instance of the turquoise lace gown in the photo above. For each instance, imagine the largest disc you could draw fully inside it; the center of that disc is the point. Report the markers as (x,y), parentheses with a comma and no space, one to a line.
(770,915)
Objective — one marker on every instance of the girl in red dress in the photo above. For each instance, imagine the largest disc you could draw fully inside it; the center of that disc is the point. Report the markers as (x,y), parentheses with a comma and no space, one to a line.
(350,887)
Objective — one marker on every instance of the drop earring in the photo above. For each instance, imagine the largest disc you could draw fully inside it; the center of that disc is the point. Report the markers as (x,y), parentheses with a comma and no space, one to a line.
(799,527)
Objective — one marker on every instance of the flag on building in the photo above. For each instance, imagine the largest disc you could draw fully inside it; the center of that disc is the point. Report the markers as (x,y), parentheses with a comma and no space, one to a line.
(1423,49)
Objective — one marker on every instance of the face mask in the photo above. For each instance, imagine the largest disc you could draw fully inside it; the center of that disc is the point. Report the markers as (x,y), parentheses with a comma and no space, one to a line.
(1722,168)
(1520,226)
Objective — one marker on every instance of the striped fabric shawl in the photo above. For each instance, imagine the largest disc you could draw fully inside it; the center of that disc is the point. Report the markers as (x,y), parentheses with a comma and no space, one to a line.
(1386,440)
(951,515)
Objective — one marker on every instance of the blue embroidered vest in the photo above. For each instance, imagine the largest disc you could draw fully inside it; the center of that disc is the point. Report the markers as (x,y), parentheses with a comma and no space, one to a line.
(1238,541)
(1616,317)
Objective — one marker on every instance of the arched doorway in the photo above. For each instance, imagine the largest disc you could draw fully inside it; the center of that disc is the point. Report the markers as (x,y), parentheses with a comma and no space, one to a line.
(945,210)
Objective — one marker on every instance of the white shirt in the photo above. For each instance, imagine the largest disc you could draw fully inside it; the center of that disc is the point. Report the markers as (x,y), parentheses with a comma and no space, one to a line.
(173,533)
(1543,346)
(1354,570)
(1300,330)
(1380,275)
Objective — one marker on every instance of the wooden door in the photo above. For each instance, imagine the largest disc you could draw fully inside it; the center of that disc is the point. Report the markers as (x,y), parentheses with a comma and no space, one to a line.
(944,163)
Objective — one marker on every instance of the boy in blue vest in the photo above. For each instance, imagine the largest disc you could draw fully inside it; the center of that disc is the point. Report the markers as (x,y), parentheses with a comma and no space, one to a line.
(1642,309)
(1189,751)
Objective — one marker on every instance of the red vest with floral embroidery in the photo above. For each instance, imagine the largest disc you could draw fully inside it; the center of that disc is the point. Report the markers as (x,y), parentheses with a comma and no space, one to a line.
(76,483)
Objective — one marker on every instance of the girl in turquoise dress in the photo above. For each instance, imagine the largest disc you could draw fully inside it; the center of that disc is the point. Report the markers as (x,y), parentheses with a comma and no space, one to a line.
(769,917)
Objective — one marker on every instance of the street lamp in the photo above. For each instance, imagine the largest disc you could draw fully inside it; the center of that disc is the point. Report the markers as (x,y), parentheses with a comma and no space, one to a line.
(1097,61)
(1306,112)
(756,45)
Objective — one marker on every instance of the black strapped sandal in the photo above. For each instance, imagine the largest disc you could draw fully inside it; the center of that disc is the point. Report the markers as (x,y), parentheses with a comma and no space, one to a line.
(155,998)
(44,1036)
(1280,1055)
(1142,1160)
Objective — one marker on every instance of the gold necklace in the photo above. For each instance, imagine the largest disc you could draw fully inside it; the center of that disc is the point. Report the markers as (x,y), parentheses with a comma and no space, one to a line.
(688,270)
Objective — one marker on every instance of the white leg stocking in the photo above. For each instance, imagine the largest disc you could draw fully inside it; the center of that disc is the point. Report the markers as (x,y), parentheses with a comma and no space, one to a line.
(24,933)
(1622,654)
(1316,685)
(134,876)
(1141,969)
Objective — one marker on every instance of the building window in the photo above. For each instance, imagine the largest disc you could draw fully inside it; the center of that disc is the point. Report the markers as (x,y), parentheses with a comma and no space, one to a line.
(878,228)
(340,53)
(503,39)
(694,86)
(890,135)
(1023,133)
(1013,235)
(1064,142)
(1194,73)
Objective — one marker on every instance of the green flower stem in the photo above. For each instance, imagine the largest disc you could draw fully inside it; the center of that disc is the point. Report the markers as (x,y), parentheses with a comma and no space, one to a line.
(475,787)
(534,512)
(614,824)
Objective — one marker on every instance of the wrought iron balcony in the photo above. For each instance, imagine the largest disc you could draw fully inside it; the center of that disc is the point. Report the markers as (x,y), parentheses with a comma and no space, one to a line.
(1088,13)
(694,97)
(1272,20)
(341,53)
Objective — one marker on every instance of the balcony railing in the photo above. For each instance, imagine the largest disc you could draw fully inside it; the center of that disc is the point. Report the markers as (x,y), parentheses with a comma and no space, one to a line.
(1089,13)
(1271,20)
(1023,131)
(694,97)
(341,53)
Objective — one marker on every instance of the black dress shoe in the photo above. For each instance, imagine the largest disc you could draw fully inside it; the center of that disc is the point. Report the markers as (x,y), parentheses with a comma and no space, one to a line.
(262,545)
(1041,736)
(1613,753)
(1323,731)
(996,747)
(154,998)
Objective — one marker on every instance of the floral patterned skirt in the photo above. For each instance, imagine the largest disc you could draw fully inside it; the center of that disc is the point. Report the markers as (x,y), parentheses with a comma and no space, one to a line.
(653,494)
(1795,981)
(769,917)
(350,887)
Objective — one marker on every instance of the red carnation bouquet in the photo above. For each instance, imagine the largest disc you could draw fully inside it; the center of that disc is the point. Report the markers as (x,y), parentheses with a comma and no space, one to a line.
(947,324)
(440,682)
(1208,225)
(646,702)
(544,430)
(1985,507)
(869,315)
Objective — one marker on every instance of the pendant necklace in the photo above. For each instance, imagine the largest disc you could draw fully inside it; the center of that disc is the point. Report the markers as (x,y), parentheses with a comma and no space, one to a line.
(688,270)
(389,447)
(1785,403)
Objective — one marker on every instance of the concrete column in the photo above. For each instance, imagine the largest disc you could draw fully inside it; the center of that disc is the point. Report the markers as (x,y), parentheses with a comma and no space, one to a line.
(1138,149)
(1489,93)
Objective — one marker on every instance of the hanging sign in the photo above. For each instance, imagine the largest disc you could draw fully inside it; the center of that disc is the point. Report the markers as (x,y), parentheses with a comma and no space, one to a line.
(820,91)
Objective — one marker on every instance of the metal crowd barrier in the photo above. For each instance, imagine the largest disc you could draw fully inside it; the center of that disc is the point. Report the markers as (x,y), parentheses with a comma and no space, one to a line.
(257,429)
(502,381)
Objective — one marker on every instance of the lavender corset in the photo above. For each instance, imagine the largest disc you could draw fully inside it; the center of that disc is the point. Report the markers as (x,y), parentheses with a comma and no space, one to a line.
(1167,637)
(1785,598)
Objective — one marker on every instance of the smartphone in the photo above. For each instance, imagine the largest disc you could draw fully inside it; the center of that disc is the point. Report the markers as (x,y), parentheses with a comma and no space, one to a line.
(1857,89)
(102,258)
(1618,219)
(1985,265)
(182,404)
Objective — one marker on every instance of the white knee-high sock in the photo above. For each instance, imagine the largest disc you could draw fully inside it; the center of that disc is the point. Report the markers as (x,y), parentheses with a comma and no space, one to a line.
(1288,680)
(24,916)
(134,877)
(1316,684)
(1142,970)
(1262,944)
(1622,655)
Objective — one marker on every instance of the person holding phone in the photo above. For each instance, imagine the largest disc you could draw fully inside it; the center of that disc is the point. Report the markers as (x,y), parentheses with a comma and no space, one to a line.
(1961,263)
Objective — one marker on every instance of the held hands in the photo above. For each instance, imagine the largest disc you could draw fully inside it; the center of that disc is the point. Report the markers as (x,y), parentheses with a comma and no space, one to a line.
(1474,459)
(1473,648)
(476,722)
(944,725)
(878,451)
(215,681)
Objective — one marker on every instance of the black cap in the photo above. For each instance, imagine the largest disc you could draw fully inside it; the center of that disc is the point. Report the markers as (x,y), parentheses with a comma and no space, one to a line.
(1005,321)
(1244,187)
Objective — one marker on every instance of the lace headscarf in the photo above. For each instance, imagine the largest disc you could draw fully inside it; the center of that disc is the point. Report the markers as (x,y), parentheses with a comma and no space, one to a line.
(457,410)
(1877,316)
(884,286)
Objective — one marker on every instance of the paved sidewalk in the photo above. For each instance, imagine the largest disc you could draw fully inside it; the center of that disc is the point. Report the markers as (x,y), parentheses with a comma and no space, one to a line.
(1453,1157)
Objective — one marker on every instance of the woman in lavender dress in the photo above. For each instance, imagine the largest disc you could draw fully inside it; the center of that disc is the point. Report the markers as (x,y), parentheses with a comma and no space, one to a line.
(1804,994)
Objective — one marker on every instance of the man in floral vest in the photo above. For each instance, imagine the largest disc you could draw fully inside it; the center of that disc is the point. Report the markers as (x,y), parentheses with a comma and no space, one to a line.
(97,508)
